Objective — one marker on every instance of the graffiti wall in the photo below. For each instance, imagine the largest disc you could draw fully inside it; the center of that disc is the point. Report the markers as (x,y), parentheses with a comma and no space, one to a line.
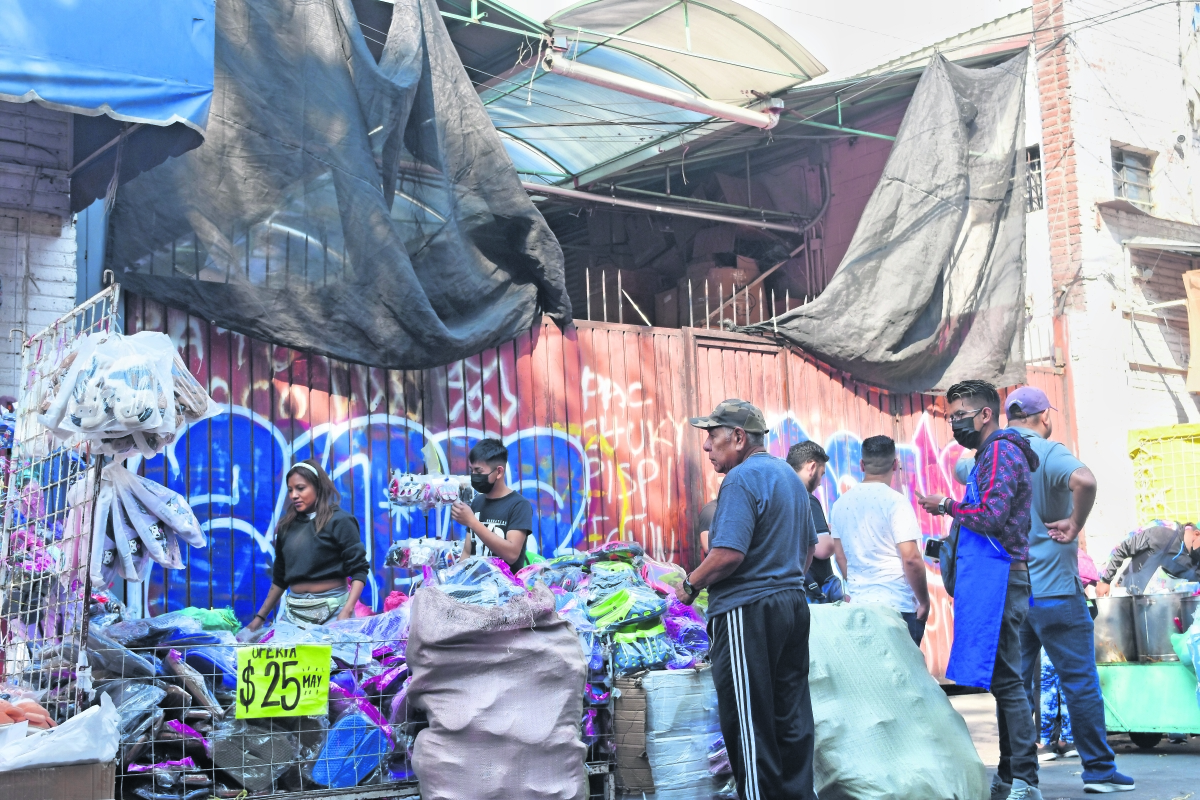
(595,418)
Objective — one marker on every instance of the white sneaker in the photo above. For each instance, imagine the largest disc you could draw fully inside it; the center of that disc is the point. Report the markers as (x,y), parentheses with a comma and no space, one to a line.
(1023,791)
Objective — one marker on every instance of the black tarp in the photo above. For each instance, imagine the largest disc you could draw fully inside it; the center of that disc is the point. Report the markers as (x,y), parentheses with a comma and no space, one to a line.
(362,211)
(932,288)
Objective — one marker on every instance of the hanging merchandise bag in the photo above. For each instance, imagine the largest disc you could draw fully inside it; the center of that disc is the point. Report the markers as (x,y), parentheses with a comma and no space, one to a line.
(123,394)
(104,548)
(171,508)
(503,687)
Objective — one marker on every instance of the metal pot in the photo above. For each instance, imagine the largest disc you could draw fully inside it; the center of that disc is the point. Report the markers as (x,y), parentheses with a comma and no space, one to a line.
(1154,621)
(1116,641)
(1190,606)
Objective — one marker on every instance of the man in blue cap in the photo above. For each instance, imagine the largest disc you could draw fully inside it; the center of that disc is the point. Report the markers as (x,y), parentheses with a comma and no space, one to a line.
(1058,620)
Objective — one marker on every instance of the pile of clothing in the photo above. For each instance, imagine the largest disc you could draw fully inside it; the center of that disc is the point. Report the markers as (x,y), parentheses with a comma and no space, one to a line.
(123,394)
(173,679)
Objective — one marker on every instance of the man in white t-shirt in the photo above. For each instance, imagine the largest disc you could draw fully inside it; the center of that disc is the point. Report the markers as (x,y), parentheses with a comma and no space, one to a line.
(877,540)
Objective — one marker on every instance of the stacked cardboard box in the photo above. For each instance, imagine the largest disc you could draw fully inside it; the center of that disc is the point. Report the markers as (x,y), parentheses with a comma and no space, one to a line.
(70,782)
(629,729)
(721,283)
(610,286)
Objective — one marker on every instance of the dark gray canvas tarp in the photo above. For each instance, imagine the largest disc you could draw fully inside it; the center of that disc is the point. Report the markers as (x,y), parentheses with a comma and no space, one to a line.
(361,211)
(932,288)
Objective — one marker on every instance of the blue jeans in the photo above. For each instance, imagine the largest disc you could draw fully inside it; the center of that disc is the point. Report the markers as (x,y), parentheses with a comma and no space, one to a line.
(1063,626)
(916,627)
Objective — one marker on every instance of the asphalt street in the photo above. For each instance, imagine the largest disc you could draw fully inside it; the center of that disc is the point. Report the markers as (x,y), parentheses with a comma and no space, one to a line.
(1166,772)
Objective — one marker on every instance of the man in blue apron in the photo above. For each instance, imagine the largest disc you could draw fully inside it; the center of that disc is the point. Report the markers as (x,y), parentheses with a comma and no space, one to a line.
(991,528)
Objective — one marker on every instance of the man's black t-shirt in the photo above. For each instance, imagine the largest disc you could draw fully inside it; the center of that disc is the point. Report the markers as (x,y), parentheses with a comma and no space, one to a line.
(706,517)
(821,569)
(509,513)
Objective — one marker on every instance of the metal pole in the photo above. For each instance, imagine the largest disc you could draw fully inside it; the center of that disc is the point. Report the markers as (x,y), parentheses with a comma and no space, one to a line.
(604,291)
(707,315)
(620,202)
(587,284)
(620,302)
(691,307)
(721,306)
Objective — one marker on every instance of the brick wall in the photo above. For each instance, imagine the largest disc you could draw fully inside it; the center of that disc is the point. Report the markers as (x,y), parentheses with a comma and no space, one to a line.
(37,248)
(1058,153)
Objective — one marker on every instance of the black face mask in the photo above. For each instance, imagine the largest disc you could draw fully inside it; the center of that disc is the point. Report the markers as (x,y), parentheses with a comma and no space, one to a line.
(965,433)
(481,483)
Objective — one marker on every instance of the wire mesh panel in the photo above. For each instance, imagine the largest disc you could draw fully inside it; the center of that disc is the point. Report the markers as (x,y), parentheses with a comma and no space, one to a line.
(44,552)
(183,694)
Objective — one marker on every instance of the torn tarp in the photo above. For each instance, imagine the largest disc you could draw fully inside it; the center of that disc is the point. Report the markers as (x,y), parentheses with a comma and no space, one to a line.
(361,211)
(931,290)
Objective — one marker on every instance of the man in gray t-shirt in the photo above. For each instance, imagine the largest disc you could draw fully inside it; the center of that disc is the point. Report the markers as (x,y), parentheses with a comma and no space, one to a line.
(762,542)
(1063,492)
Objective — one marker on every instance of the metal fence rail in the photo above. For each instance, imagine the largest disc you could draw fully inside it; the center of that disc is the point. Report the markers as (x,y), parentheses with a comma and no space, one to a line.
(44,550)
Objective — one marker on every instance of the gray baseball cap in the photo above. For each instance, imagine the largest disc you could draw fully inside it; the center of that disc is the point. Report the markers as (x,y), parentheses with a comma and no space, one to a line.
(733,413)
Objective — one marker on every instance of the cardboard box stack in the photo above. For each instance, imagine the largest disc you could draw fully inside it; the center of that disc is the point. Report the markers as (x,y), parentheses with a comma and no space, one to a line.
(629,729)
(722,283)
(607,285)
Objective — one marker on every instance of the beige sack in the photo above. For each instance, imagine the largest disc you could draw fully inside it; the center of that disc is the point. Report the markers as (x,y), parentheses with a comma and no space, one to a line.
(503,688)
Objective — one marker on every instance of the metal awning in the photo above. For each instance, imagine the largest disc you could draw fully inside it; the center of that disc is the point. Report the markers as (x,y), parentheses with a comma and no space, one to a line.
(138,62)
(1166,245)
(557,130)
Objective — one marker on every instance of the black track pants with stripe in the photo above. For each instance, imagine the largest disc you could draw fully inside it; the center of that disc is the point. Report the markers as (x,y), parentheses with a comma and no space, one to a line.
(759,655)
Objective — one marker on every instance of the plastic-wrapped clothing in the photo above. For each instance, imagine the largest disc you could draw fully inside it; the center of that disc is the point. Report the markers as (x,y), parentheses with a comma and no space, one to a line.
(681,721)
(193,681)
(663,577)
(151,631)
(616,551)
(884,728)
(253,753)
(116,659)
(640,647)
(503,687)
(686,629)
(480,581)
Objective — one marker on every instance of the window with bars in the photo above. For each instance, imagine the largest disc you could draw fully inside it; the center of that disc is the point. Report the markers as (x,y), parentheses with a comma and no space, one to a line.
(1131,177)
(1034,200)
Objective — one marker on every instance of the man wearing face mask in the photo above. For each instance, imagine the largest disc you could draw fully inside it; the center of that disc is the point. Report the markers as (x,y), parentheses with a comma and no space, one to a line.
(499,519)
(991,586)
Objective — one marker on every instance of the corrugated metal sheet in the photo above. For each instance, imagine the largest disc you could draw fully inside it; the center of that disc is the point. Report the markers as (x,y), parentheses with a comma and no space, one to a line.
(595,418)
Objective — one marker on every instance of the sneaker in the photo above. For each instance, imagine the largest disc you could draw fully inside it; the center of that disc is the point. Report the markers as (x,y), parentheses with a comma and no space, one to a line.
(1069,751)
(1023,791)
(1048,751)
(1113,783)
(1000,789)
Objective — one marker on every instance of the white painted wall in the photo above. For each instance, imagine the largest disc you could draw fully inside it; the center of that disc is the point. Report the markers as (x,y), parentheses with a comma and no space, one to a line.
(37,249)
(1127,86)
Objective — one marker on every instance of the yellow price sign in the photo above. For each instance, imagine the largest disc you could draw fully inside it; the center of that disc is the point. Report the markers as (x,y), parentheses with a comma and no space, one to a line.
(291,681)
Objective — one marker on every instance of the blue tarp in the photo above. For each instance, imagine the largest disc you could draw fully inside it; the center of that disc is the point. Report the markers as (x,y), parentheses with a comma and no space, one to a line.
(145,61)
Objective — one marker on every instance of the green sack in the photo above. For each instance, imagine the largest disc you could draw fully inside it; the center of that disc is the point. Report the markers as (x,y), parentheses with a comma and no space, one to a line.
(1179,645)
(214,619)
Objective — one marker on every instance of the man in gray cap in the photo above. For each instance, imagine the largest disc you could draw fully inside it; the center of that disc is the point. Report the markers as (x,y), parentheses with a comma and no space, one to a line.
(761,541)
(1058,620)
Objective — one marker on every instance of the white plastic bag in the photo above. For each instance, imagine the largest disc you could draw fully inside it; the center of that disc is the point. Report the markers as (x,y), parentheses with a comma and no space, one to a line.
(125,394)
(169,507)
(88,737)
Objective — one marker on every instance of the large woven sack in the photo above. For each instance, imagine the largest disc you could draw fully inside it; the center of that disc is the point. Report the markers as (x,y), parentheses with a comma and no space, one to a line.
(885,729)
(503,688)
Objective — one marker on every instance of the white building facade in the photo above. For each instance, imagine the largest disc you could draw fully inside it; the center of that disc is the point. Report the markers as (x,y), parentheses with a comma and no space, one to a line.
(1116,140)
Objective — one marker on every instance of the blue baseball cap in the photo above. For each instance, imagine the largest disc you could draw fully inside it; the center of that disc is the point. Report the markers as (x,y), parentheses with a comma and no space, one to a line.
(1028,400)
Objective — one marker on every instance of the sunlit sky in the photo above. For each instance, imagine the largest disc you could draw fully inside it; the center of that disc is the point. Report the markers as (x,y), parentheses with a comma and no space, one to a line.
(852,35)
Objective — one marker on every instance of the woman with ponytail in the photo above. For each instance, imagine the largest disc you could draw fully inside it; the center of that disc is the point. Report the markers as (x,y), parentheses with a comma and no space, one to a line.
(317,550)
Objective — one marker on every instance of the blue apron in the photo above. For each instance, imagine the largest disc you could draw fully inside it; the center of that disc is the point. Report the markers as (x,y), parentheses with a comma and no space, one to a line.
(981,590)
